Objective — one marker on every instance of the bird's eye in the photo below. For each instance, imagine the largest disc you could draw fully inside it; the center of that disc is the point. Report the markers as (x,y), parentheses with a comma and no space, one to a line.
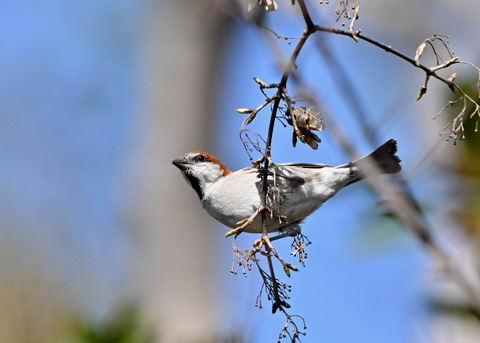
(200,158)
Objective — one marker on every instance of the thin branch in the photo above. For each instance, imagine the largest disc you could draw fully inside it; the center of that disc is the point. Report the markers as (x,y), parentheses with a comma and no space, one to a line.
(399,198)
(457,127)
(387,48)
(306,15)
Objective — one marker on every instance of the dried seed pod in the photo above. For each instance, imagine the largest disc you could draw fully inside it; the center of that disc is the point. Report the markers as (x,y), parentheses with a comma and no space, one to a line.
(305,121)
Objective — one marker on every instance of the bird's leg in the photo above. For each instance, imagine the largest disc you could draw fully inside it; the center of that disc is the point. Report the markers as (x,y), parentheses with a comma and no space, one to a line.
(283,235)
(290,230)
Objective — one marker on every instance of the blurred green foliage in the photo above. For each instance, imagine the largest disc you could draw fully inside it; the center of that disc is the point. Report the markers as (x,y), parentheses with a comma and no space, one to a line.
(467,170)
(458,310)
(468,166)
(124,327)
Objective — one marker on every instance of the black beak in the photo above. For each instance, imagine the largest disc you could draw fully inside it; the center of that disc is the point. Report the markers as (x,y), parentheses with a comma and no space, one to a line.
(181,163)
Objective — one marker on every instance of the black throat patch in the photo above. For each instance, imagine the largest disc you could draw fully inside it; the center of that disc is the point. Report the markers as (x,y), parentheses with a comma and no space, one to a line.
(195,184)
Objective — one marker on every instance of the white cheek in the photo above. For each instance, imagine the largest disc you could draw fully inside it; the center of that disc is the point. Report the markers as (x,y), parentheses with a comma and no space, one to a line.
(212,174)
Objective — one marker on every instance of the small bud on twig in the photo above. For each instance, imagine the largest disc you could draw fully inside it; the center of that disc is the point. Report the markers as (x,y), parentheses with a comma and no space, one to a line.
(419,52)
(233,232)
(352,23)
(250,118)
(451,79)
(423,90)
(451,61)
(257,80)
(299,134)
(292,267)
(444,65)
(287,271)
(244,110)
(241,222)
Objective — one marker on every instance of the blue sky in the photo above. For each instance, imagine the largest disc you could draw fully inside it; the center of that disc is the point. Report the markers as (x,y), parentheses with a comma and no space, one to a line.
(70,89)
(69,99)
(347,292)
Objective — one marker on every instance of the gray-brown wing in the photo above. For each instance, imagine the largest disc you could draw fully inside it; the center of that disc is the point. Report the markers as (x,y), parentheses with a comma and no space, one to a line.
(306,165)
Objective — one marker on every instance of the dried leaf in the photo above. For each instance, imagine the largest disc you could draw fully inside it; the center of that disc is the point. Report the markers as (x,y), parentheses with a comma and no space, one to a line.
(306,119)
(312,139)
(268,5)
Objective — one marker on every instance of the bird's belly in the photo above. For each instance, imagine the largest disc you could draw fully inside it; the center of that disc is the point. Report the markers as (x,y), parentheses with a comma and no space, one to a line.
(239,204)
(291,207)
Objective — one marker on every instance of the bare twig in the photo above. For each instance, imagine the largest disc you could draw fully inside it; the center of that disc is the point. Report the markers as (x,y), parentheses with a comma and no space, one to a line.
(457,129)
(241,258)
(290,323)
(343,9)
(299,243)
(398,197)
(352,23)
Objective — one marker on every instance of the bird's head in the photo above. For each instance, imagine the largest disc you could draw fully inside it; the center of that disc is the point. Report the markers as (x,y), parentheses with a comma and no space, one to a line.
(201,170)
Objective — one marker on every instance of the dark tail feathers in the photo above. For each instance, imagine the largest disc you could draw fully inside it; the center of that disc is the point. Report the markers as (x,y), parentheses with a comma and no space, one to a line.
(384,157)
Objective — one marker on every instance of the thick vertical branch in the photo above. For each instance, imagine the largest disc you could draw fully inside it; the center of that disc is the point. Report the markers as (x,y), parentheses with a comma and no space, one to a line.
(266,158)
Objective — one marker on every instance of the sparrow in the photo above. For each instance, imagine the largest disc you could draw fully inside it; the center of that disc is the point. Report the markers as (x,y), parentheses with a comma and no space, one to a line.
(296,190)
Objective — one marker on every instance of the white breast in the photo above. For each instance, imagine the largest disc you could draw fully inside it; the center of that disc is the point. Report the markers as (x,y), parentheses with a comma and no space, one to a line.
(237,196)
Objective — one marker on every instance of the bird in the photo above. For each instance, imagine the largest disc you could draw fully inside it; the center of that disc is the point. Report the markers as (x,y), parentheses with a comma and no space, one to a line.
(295,190)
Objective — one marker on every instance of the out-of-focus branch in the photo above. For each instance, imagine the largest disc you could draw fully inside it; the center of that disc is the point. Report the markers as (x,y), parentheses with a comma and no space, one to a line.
(395,194)
(400,203)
